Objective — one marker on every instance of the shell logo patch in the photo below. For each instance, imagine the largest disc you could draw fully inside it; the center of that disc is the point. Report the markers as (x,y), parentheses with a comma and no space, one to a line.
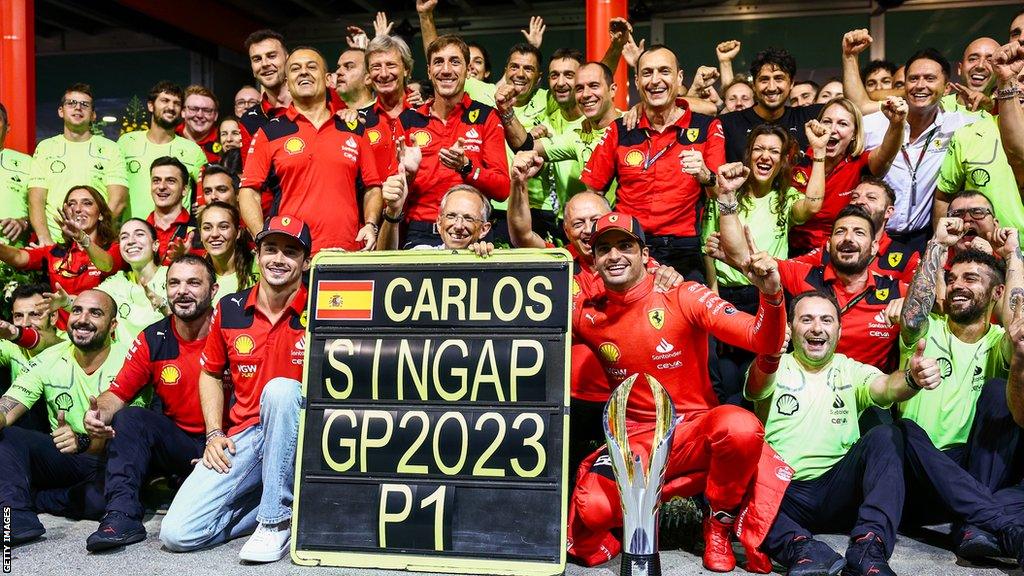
(634,158)
(170,374)
(294,145)
(575,288)
(244,344)
(800,178)
(610,352)
(421,138)
(373,136)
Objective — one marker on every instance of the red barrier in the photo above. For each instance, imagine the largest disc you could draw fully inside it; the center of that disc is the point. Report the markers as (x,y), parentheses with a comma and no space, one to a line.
(18,72)
(599,12)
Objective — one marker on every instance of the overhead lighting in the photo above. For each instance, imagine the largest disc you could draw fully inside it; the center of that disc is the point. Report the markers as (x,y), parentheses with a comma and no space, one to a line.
(109,119)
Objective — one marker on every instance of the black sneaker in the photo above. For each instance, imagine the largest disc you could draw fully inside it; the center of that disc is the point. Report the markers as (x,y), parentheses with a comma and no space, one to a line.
(116,530)
(25,527)
(810,557)
(973,543)
(1011,541)
(866,557)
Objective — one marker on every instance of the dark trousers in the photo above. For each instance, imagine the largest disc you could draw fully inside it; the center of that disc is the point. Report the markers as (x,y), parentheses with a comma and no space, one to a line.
(682,253)
(586,432)
(861,493)
(936,477)
(419,233)
(991,456)
(34,475)
(732,361)
(916,239)
(145,442)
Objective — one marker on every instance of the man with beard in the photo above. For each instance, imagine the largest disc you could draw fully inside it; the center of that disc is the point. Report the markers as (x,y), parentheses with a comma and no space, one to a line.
(59,473)
(245,481)
(267,55)
(864,296)
(75,157)
(142,441)
(894,259)
(200,112)
(810,401)
(772,73)
(142,147)
(915,171)
(989,156)
(313,163)
(968,419)
(351,81)
(460,139)
(663,165)
(31,330)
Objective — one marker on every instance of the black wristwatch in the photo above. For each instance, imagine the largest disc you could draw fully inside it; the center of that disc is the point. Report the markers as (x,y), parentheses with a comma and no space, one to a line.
(396,220)
(84,441)
(712,181)
(467,168)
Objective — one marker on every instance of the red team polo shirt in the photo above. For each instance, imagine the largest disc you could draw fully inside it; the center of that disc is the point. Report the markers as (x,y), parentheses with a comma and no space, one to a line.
(178,229)
(652,185)
(210,143)
(895,259)
(838,185)
(314,174)
(160,357)
(665,334)
(380,132)
(71,267)
(867,335)
(256,351)
(478,125)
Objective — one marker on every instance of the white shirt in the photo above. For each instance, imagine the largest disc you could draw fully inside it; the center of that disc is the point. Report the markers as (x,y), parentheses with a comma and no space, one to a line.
(914,200)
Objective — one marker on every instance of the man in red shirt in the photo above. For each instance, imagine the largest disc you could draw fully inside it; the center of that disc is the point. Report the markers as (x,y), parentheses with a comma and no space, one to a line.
(662,165)
(866,299)
(200,113)
(894,258)
(259,334)
(315,164)
(388,64)
(461,140)
(168,181)
(635,330)
(165,356)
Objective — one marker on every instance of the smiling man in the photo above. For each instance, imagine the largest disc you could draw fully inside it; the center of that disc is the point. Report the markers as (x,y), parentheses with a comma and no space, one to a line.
(351,81)
(168,181)
(663,165)
(244,483)
(975,70)
(267,55)
(310,159)
(200,112)
(64,376)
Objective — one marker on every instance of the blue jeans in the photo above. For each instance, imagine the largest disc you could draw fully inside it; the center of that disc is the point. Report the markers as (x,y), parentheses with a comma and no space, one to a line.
(211,508)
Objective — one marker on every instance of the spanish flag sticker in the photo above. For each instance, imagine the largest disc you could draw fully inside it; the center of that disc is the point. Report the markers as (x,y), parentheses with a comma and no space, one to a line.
(344,300)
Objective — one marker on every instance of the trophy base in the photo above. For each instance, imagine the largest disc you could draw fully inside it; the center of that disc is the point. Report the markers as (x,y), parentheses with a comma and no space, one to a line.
(640,564)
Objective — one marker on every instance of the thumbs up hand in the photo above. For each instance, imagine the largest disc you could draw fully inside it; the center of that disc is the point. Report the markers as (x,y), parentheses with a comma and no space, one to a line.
(63,436)
(924,371)
(94,423)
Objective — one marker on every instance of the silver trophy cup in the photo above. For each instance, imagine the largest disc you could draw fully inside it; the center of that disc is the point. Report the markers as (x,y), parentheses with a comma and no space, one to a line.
(639,485)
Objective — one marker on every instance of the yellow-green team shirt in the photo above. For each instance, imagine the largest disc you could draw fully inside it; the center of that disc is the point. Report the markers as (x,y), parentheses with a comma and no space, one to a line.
(60,164)
(15,357)
(810,419)
(139,154)
(949,103)
(228,283)
(574,148)
(768,224)
(976,161)
(947,412)
(14,178)
(56,376)
(134,310)
(557,181)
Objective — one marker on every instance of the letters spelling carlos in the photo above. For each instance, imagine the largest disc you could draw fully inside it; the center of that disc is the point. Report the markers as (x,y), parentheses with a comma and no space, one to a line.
(460,299)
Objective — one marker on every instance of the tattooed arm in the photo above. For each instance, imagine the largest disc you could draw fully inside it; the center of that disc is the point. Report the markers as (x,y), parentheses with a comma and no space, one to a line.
(1015,383)
(10,411)
(921,297)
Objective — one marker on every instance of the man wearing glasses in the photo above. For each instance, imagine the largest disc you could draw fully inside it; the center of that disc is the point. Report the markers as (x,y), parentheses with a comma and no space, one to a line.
(980,223)
(75,157)
(245,98)
(200,114)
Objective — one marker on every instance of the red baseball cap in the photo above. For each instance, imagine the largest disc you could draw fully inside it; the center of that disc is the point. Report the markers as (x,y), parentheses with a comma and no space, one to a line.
(290,226)
(621,222)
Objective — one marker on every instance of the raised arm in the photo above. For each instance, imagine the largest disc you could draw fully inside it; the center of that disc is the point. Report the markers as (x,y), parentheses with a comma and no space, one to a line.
(99,255)
(425,9)
(394,192)
(854,43)
(621,32)
(921,296)
(922,373)
(1015,383)
(727,52)
(504,100)
(814,197)
(525,165)
(1007,65)
(733,240)
(895,110)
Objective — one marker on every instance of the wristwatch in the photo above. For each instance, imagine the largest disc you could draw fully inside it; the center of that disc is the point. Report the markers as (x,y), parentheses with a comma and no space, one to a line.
(712,180)
(466,168)
(397,219)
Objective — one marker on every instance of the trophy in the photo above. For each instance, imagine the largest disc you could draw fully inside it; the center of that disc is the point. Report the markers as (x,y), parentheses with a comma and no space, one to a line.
(639,485)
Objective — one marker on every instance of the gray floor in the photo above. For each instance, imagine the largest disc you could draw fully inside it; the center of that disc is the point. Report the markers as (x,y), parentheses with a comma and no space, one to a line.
(63,552)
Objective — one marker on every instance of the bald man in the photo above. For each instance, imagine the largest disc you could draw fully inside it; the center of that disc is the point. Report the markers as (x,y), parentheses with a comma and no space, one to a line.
(58,473)
(312,160)
(974,70)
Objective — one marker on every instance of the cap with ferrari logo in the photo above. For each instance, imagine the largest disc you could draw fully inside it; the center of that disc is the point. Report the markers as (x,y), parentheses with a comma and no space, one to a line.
(621,222)
(288,225)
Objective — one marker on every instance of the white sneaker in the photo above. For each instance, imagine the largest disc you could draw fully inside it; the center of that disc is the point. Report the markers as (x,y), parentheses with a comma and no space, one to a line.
(267,543)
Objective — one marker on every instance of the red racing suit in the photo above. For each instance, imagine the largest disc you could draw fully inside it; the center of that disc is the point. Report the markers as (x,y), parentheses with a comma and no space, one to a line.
(717,450)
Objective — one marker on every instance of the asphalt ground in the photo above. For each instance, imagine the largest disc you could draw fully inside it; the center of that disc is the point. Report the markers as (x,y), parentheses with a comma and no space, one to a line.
(62,551)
